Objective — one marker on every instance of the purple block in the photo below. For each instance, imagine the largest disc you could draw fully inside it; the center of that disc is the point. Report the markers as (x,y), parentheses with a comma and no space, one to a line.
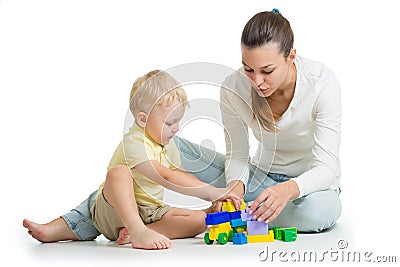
(257,228)
(246,216)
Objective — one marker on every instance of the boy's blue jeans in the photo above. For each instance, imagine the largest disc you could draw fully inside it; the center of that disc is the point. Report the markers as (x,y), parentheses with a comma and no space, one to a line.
(311,213)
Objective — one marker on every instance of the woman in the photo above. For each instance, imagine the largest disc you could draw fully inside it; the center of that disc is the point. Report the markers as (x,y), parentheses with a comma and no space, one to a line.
(293,107)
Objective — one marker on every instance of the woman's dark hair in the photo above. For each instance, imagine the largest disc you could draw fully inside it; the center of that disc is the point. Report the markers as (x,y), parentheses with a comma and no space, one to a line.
(268,27)
(265,28)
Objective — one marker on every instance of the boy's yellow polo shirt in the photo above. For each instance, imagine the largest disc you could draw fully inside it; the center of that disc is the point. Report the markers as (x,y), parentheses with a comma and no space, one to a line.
(137,147)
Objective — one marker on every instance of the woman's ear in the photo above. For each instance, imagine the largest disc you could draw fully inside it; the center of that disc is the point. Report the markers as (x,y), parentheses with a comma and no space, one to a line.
(141,119)
(292,55)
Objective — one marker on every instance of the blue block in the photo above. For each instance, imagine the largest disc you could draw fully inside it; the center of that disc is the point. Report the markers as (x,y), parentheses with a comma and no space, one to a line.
(239,238)
(238,222)
(217,218)
(235,215)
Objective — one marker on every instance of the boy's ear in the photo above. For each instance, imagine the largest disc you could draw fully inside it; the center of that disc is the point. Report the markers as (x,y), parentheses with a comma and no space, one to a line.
(141,119)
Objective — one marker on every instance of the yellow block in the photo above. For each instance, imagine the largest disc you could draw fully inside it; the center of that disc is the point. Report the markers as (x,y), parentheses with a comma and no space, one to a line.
(261,238)
(219,228)
(228,206)
(243,205)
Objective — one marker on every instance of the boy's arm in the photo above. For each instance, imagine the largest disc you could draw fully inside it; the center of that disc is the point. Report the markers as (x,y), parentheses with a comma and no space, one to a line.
(183,182)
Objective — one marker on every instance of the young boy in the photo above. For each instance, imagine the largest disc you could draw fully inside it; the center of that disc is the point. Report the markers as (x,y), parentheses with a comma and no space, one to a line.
(129,205)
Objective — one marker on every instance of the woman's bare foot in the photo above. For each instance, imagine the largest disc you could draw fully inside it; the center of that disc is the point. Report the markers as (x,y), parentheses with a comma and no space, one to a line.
(124,237)
(56,230)
(149,239)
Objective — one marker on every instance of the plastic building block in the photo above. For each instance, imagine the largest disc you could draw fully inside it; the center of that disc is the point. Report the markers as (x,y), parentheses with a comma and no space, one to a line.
(239,239)
(217,218)
(222,233)
(289,234)
(277,232)
(257,228)
(246,216)
(240,229)
(222,238)
(207,239)
(228,206)
(243,205)
(238,222)
(261,238)
(220,228)
(235,215)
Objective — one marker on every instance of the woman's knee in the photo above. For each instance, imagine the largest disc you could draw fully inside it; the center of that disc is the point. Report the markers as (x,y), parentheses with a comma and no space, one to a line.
(324,209)
(313,213)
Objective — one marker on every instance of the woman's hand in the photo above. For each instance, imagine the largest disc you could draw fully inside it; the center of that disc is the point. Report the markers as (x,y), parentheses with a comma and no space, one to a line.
(275,199)
(236,188)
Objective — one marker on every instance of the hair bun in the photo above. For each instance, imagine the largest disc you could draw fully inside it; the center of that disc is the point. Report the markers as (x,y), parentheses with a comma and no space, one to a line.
(275,10)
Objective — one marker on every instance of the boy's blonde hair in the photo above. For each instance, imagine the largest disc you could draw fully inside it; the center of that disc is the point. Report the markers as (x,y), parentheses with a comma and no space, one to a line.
(153,88)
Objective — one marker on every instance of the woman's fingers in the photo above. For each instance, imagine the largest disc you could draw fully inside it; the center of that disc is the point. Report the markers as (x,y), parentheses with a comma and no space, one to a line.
(261,198)
(274,202)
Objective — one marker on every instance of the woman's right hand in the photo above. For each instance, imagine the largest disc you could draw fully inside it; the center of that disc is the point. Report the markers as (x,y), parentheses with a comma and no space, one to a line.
(269,204)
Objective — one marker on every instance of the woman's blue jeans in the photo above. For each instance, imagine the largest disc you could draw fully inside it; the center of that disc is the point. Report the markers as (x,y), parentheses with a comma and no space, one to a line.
(311,213)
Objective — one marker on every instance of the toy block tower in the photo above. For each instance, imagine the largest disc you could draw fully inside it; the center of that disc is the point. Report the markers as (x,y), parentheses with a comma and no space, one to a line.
(224,224)
(239,227)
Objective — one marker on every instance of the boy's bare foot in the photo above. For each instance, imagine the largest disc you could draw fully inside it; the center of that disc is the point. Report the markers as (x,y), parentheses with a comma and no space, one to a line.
(149,239)
(124,237)
(56,230)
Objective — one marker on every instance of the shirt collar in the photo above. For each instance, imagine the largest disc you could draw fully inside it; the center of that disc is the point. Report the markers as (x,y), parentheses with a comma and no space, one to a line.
(136,128)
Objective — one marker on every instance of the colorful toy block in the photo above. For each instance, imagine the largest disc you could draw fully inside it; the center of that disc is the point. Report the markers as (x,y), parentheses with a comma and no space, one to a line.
(246,216)
(277,232)
(217,218)
(235,215)
(257,228)
(289,234)
(238,222)
(261,238)
(240,229)
(285,234)
(239,238)
(243,205)
(222,233)
(219,228)
(228,206)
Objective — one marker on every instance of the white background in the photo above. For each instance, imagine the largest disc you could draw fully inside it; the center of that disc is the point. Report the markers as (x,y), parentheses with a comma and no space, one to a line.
(66,69)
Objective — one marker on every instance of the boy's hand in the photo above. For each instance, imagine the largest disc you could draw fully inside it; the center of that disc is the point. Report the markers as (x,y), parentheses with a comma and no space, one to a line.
(237,187)
(227,194)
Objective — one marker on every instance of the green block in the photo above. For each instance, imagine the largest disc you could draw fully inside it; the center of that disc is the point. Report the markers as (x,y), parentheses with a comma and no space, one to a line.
(289,234)
(277,232)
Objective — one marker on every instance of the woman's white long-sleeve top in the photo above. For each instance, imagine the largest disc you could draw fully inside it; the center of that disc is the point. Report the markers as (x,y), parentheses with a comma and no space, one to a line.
(306,146)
